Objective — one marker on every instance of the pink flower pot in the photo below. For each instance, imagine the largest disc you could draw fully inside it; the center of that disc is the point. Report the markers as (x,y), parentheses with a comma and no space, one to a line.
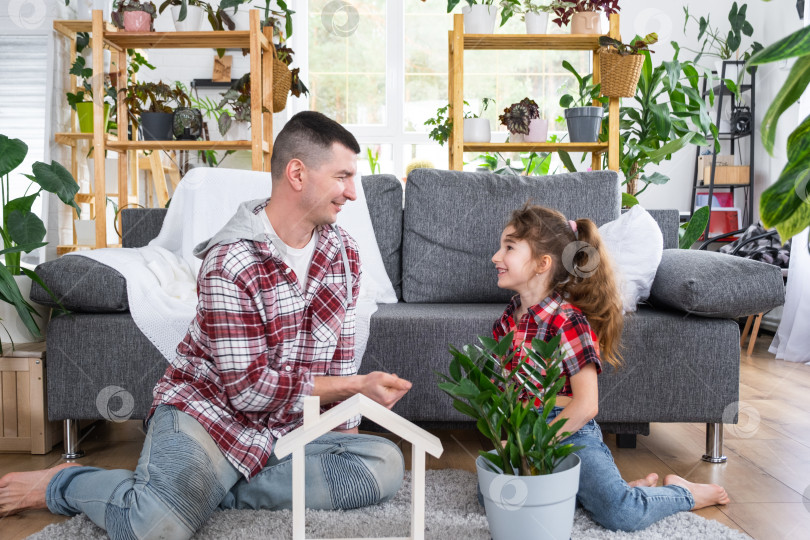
(137,21)
(586,22)
(538,130)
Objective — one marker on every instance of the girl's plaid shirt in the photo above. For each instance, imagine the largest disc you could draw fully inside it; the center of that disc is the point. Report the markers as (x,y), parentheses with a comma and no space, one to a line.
(250,354)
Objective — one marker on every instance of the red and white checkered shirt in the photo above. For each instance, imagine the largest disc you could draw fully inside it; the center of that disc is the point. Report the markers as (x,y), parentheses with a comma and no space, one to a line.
(251,352)
(546,320)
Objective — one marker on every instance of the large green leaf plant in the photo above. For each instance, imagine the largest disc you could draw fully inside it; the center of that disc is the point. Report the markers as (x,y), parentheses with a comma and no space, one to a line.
(786,204)
(501,401)
(22,230)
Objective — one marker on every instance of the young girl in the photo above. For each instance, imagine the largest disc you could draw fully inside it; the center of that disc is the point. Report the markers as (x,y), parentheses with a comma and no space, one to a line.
(565,285)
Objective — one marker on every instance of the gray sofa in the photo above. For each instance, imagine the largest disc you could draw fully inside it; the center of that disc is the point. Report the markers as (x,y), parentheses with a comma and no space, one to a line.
(681,348)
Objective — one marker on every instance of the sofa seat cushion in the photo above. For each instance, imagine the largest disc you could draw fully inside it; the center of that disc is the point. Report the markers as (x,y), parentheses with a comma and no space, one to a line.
(453,221)
(714,284)
(81,284)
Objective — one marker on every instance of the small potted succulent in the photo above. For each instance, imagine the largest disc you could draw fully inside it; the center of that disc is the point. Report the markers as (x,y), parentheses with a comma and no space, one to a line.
(529,454)
(534,13)
(620,64)
(584,15)
(134,15)
(479,15)
(523,121)
(584,120)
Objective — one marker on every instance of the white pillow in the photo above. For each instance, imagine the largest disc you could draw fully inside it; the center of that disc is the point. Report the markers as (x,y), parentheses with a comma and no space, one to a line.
(355,219)
(636,245)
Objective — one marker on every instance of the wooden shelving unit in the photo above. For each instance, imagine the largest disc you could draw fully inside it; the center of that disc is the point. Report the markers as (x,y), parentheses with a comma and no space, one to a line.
(106,36)
(460,42)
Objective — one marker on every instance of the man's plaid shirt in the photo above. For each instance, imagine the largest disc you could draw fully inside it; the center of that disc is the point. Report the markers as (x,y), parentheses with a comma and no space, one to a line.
(251,352)
(547,319)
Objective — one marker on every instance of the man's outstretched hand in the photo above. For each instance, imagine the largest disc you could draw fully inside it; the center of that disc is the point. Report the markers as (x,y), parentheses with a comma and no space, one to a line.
(384,388)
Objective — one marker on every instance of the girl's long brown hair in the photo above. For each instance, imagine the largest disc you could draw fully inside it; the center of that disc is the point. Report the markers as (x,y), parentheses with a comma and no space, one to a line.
(582,271)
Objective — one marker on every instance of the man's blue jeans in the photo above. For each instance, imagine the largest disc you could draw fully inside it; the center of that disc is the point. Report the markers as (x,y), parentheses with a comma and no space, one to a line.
(182,478)
(610,501)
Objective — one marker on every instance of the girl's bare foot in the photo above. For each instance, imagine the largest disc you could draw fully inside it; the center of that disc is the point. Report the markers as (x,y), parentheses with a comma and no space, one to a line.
(20,491)
(704,494)
(651,480)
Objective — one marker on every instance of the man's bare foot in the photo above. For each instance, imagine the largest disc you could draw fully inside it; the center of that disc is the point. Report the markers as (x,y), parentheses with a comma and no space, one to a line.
(20,491)
(651,480)
(704,494)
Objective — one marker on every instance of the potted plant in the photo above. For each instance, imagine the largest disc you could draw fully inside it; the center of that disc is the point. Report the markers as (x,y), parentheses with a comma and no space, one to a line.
(186,14)
(237,99)
(134,15)
(583,119)
(523,121)
(148,105)
(534,13)
(530,457)
(82,100)
(584,15)
(479,16)
(724,46)
(620,64)
(23,231)
(476,129)
(230,11)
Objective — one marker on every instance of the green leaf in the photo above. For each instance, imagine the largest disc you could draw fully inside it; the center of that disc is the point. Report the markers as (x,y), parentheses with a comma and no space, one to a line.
(463,408)
(25,227)
(796,44)
(790,92)
(655,178)
(54,178)
(565,157)
(695,227)
(671,147)
(12,154)
(10,293)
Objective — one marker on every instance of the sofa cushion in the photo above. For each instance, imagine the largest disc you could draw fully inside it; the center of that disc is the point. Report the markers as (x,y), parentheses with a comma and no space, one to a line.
(384,199)
(140,225)
(453,221)
(715,284)
(81,284)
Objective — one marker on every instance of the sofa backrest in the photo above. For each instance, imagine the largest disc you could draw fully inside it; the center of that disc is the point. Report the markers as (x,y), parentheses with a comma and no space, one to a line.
(453,222)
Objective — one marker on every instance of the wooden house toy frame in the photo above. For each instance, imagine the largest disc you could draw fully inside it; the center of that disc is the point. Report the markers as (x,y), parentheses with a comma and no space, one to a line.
(316,424)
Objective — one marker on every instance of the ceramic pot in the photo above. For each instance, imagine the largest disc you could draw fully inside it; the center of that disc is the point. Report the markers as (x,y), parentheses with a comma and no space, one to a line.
(584,123)
(538,131)
(192,22)
(586,22)
(137,21)
(477,130)
(479,19)
(536,23)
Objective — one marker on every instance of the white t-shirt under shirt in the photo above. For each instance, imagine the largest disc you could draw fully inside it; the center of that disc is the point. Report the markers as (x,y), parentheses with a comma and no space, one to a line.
(297,259)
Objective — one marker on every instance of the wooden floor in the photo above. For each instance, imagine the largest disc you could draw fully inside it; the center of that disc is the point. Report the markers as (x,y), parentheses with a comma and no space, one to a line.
(767,475)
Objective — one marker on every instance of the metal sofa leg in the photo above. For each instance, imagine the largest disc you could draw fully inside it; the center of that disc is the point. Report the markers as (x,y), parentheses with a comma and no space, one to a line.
(714,444)
(71,440)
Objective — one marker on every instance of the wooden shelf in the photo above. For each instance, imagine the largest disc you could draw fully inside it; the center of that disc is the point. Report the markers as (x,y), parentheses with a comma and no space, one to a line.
(598,147)
(553,42)
(70,138)
(178,145)
(238,39)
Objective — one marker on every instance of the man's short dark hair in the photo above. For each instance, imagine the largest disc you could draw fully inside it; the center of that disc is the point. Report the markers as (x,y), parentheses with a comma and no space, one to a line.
(308,136)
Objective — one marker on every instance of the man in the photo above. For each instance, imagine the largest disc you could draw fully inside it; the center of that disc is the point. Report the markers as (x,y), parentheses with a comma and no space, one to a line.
(275,323)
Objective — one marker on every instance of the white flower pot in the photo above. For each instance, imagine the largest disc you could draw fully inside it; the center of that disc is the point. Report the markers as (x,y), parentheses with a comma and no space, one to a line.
(536,23)
(110,174)
(732,70)
(477,130)
(516,504)
(192,22)
(241,18)
(85,231)
(239,131)
(538,131)
(12,322)
(479,19)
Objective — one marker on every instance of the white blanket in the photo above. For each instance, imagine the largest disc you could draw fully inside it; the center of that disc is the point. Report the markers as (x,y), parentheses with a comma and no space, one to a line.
(161,277)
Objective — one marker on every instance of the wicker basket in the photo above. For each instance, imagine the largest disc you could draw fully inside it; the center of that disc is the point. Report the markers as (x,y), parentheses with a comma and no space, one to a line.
(282,79)
(620,73)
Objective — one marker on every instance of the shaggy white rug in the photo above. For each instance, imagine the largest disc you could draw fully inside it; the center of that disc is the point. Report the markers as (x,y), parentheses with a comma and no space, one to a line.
(452,512)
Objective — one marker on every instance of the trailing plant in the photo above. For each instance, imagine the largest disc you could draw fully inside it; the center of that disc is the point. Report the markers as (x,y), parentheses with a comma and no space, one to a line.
(498,392)
(122,6)
(510,8)
(715,42)
(586,92)
(443,123)
(22,230)
(625,49)
(786,203)
(517,116)
(564,14)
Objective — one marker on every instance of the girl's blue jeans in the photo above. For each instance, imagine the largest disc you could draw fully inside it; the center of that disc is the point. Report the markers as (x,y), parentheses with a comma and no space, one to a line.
(182,478)
(610,501)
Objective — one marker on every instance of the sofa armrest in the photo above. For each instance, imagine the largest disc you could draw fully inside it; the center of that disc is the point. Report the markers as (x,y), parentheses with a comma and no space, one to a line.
(81,284)
(714,284)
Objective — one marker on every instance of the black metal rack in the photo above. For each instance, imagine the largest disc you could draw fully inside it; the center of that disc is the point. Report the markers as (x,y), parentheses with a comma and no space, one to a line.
(721,91)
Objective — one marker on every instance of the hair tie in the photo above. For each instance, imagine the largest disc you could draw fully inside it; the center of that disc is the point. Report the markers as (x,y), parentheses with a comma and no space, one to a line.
(573,225)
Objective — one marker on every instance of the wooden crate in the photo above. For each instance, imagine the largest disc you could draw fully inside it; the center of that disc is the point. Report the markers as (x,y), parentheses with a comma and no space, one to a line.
(736,174)
(24,425)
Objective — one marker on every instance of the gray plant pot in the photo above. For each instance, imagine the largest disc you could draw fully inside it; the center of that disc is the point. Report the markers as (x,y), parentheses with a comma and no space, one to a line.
(584,123)
(156,126)
(536,507)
